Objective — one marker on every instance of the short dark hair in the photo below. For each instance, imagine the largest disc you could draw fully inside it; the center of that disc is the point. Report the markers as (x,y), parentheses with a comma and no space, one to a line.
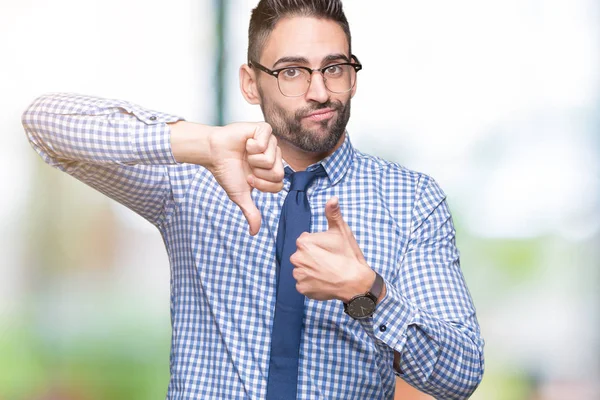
(269,12)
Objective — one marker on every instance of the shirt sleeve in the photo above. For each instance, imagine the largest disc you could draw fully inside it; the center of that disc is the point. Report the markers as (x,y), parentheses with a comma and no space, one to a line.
(116,147)
(427,316)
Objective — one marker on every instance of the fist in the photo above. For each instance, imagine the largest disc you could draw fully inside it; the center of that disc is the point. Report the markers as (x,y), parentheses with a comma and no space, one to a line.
(245,156)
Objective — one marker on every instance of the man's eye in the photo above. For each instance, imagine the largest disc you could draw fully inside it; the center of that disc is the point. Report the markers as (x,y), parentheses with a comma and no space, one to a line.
(334,70)
(291,72)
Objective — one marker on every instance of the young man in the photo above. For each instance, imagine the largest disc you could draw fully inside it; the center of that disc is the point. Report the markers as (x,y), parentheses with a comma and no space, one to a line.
(374,290)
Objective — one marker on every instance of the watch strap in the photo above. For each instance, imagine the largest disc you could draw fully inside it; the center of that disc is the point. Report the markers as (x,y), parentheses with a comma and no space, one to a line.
(377,287)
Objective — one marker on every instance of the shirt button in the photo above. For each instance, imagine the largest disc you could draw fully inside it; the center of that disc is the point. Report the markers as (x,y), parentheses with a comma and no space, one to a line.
(153,118)
(382,328)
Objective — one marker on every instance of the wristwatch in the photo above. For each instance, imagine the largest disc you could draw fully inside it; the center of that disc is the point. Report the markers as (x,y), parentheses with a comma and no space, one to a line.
(363,305)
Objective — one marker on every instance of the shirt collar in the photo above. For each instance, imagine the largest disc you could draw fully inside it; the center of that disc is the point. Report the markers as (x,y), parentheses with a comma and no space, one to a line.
(337,163)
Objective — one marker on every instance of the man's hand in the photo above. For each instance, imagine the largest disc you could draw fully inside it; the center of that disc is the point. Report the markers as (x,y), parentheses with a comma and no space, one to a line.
(330,265)
(241,156)
(246,156)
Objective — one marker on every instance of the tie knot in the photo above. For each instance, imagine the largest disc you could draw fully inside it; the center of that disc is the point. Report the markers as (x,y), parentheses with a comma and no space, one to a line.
(301,180)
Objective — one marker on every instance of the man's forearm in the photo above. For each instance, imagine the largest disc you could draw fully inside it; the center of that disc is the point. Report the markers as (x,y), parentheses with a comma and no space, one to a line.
(190,142)
(428,350)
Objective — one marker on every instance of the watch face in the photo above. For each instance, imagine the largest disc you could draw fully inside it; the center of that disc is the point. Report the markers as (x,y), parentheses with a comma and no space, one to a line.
(361,307)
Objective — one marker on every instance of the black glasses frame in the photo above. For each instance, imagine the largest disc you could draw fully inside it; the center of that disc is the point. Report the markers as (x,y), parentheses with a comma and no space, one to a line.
(275,72)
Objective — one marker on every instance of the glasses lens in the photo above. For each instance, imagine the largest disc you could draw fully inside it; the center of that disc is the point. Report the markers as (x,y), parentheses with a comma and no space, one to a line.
(339,78)
(296,81)
(293,81)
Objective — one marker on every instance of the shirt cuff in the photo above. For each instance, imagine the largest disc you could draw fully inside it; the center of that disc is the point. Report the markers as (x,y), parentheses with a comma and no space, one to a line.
(151,136)
(389,324)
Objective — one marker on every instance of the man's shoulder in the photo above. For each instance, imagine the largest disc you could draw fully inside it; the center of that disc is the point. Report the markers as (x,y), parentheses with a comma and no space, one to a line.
(394,173)
(401,189)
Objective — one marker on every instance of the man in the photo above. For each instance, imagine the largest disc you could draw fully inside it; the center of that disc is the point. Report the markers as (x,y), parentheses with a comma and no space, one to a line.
(378,278)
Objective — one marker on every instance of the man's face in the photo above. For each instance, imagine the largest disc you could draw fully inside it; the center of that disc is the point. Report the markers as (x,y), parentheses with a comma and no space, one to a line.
(315,121)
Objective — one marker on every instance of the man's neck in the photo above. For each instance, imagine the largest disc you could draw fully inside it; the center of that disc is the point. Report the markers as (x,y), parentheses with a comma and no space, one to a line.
(299,159)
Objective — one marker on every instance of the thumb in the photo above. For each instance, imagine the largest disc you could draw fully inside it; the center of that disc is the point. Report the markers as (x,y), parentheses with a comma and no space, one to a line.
(251,213)
(334,214)
(336,222)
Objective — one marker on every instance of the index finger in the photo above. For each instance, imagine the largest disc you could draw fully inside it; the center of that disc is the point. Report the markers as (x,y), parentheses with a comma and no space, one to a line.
(324,240)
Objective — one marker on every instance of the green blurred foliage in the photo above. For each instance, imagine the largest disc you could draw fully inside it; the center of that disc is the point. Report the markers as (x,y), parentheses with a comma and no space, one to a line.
(126,366)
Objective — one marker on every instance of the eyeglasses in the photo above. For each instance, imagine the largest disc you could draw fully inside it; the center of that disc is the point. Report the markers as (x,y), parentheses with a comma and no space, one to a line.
(294,81)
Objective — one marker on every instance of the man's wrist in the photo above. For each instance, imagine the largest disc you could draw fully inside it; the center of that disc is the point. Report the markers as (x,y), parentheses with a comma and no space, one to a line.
(364,285)
(361,285)
(190,142)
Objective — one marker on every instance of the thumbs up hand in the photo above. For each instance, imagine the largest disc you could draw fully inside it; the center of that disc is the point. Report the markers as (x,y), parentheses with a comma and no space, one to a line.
(330,265)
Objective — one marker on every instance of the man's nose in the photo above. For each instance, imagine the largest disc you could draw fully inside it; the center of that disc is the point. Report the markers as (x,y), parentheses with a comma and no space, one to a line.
(317,90)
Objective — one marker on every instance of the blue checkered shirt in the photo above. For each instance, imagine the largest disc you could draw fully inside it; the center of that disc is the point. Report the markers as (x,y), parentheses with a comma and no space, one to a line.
(223,279)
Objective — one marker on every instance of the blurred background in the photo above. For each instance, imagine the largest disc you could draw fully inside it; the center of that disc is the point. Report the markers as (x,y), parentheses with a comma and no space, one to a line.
(498,100)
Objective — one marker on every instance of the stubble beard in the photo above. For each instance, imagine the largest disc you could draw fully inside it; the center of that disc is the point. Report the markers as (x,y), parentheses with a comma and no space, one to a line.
(289,127)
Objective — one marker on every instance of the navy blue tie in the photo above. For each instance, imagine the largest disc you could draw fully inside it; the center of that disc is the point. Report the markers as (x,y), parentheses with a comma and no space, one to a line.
(289,309)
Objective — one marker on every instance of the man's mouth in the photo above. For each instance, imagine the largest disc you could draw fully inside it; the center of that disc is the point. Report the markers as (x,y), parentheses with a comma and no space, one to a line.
(320,115)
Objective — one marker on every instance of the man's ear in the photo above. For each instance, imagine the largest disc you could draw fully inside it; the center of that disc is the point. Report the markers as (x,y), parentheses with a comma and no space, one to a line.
(248,84)
(353,91)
